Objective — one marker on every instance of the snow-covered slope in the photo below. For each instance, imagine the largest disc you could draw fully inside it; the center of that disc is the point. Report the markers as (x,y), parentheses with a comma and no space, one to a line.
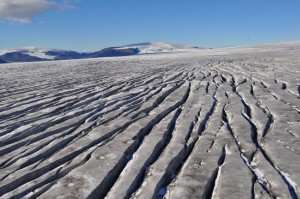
(29,54)
(210,123)
(33,51)
(158,47)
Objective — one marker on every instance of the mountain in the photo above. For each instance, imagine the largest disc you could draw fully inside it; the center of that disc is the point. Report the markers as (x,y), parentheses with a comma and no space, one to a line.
(114,52)
(31,54)
(32,51)
(2,62)
(27,54)
(20,57)
(158,47)
(64,55)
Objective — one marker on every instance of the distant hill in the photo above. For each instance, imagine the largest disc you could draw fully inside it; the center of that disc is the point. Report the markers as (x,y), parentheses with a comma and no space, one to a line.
(64,55)
(114,52)
(20,57)
(32,54)
(158,47)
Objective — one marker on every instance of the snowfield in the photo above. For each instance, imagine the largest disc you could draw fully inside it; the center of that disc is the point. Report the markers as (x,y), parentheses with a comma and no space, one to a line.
(197,123)
(158,47)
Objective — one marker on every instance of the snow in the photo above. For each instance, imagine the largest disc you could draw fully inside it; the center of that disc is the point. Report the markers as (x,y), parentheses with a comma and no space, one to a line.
(121,127)
(227,152)
(290,181)
(144,48)
(158,47)
(32,51)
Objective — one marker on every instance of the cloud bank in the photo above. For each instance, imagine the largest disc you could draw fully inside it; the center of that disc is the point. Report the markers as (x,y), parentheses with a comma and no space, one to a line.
(23,10)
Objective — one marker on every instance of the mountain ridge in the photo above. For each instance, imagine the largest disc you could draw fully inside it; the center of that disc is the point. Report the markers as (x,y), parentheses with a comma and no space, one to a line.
(2,62)
(32,53)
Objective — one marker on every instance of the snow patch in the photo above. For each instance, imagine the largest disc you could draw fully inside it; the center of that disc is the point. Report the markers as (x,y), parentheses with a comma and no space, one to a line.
(227,152)
(290,181)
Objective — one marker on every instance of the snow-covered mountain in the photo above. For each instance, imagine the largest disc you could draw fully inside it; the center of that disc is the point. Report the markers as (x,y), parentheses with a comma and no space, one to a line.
(30,54)
(32,51)
(158,47)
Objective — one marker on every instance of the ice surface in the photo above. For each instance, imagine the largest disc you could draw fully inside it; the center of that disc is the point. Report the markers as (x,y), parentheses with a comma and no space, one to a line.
(194,123)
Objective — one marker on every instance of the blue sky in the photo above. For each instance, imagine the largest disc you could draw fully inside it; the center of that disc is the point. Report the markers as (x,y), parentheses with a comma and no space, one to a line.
(95,24)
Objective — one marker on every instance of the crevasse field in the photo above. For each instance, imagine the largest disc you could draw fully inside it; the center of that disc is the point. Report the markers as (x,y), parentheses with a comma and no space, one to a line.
(202,123)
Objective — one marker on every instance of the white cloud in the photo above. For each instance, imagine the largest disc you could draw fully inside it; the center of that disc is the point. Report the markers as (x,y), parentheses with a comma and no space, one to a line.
(23,10)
